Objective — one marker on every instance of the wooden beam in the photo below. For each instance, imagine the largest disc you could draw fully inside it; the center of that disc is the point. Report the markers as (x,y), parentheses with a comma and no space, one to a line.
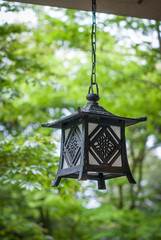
(149,9)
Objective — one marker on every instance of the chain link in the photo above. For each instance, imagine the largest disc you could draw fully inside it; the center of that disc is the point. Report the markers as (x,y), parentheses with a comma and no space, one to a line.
(93,43)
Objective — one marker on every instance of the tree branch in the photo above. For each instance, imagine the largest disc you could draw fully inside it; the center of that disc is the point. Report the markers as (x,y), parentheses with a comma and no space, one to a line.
(158,86)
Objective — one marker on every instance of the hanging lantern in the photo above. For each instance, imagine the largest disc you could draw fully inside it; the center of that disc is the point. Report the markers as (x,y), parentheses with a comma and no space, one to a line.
(93,144)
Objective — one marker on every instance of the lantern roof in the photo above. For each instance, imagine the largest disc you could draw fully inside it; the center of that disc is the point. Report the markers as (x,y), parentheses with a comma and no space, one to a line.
(93,110)
(150,9)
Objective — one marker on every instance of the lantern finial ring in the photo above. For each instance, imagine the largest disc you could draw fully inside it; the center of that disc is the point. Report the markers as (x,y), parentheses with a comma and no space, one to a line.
(93,97)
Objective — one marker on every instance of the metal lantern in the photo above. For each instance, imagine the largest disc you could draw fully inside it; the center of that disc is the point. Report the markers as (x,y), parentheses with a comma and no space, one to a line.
(93,144)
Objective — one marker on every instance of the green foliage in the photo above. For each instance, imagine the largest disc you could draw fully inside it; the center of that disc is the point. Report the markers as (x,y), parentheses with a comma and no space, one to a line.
(44,74)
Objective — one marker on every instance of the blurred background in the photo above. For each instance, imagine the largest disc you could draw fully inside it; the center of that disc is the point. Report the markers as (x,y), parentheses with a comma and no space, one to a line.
(45,67)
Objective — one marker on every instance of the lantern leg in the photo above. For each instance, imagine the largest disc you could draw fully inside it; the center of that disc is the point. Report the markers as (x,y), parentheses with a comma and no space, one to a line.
(129,174)
(101,182)
(56,182)
(130,178)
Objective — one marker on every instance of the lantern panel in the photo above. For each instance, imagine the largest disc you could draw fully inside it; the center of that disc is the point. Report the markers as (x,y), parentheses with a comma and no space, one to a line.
(104,145)
(117,162)
(117,131)
(72,146)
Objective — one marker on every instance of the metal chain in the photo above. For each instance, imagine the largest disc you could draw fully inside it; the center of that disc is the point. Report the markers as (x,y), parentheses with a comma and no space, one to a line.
(93,42)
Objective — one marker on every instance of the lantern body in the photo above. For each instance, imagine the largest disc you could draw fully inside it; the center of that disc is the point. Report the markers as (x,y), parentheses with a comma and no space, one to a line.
(93,145)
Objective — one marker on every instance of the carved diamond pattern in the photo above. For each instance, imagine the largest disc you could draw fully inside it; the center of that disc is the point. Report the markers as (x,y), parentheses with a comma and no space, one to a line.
(72,147)
(103,145)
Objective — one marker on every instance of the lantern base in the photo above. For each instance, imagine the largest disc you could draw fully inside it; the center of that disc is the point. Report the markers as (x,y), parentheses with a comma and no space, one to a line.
(99,177)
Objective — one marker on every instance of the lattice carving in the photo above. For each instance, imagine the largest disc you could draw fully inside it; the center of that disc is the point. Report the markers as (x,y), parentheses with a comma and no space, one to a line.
(103,146)
(72,147)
